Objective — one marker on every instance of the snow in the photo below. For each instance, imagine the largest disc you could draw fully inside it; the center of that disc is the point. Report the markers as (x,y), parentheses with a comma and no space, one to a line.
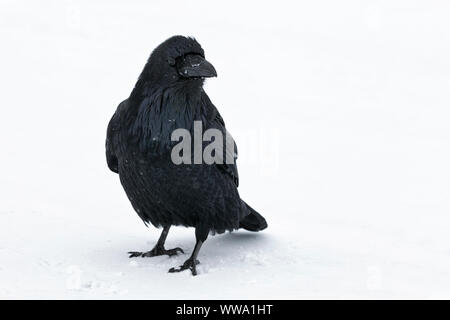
(341,114)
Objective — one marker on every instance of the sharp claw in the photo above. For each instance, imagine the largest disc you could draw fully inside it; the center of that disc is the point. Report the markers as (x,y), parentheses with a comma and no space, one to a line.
(134,254)
(156,252)
(189,264)
(179,249)
(174,252)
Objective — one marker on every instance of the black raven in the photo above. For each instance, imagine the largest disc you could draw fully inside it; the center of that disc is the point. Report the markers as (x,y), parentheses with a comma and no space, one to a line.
(169,95)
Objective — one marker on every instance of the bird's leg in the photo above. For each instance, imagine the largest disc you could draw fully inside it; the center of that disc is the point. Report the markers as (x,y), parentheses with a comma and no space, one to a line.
(201,234)
(158,250)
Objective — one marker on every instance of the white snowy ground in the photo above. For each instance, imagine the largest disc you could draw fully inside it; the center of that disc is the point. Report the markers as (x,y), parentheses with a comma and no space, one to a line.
(341,113)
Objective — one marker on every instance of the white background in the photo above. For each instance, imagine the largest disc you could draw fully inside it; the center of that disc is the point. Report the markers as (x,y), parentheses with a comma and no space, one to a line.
(341,113)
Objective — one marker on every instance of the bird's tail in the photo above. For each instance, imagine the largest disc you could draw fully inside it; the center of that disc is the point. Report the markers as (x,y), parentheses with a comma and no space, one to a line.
(253,221)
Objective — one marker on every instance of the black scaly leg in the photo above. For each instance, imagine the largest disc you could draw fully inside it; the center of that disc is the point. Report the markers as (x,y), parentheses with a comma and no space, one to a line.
(158,250)
(200,234)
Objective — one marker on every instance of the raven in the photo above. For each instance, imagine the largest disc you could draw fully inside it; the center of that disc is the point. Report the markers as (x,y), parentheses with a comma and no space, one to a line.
(169,95)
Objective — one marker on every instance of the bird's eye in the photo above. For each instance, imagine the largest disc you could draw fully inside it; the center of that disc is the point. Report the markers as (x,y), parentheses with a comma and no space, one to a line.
(171,61)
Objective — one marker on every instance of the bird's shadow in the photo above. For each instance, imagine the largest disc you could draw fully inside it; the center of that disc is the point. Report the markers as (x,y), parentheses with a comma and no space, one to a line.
(238,239)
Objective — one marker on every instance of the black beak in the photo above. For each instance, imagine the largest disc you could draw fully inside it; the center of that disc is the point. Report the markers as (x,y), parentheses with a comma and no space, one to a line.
(195,66)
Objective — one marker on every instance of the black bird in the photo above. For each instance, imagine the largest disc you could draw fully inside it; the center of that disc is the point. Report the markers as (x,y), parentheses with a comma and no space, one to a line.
(169,95)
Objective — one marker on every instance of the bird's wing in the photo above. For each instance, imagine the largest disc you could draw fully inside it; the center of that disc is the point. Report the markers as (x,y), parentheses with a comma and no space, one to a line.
(111,138)
(214,116)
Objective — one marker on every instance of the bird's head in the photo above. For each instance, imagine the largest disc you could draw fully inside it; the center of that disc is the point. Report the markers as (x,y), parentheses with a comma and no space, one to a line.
(178,60)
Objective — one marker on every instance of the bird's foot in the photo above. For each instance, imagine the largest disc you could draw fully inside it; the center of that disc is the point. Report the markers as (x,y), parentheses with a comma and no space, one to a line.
(188,264)
(156,251)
